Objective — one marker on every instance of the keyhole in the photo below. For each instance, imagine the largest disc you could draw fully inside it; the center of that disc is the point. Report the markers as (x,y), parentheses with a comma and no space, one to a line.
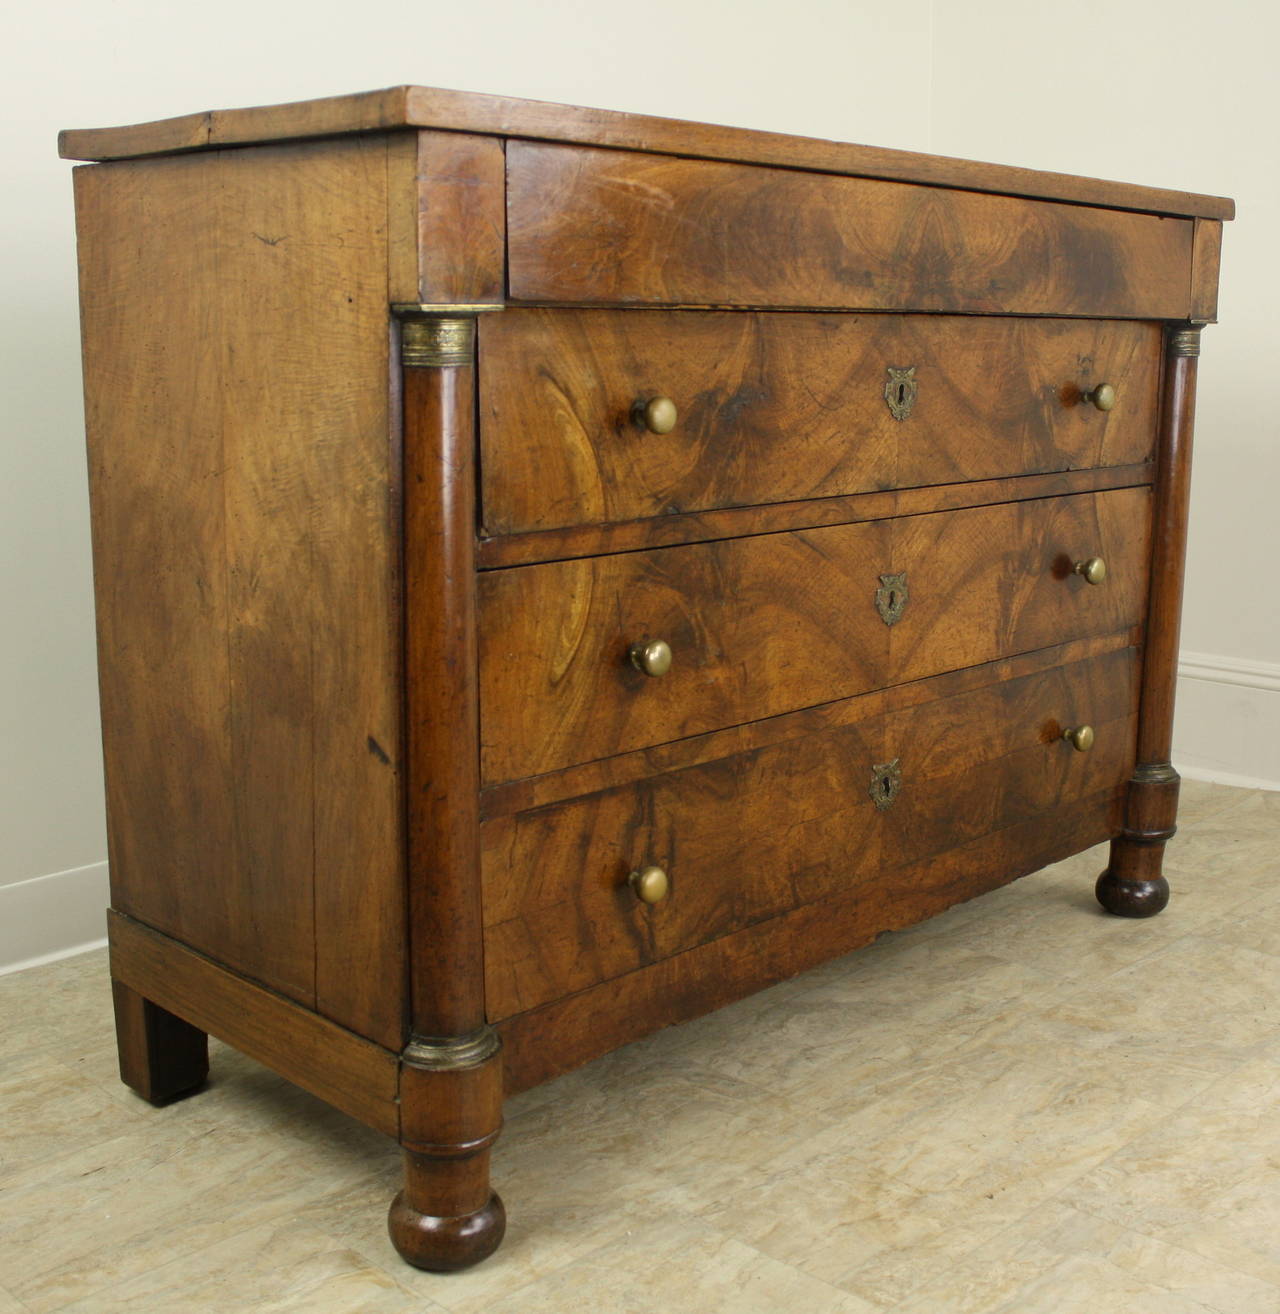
(884,787)
(893,599)
(902,393)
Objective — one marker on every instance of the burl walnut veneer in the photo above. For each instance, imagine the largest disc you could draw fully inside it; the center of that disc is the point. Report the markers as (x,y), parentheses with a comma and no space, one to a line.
(560,571)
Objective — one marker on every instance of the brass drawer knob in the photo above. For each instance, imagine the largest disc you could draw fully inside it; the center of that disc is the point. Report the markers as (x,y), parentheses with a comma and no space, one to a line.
(1103,396)
(1093,571)
(1080,737)
(653,657)
(650,884)
(658,414)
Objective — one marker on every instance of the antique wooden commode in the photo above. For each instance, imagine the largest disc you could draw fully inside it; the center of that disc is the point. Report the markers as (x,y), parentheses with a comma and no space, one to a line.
(559,571)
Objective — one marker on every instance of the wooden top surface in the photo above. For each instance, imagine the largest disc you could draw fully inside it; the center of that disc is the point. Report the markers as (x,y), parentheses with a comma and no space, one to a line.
(463,111)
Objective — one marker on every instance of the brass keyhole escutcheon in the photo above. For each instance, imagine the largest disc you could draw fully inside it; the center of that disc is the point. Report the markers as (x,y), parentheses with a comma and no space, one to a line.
(891,597)
(900,391)
(886,781)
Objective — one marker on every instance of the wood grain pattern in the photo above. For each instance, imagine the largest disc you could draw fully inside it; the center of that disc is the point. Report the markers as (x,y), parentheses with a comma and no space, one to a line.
(158,511)
(556,686)
(740,839)
(343,1069)
(369,111)
(560,1036)
(446,1216)
(642,764)
(599,227)
(991,757)
(443,1225)
(1206,260)
(446,194)
(749,836)
(240,442)
(315,631)
(737,522)
(378,766)
(778,407)
(999,580)
(446,974)
(1172,504)
(464,111)
(769,624)
(1133,884)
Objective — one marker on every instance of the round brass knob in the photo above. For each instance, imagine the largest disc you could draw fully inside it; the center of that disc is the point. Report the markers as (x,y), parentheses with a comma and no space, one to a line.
(1103,396)
(1093,571)
(658,414)
(650,884)
(1080,737)
(653,657)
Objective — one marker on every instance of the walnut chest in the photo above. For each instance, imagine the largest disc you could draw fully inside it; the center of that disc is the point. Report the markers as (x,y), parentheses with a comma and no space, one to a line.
(560,571)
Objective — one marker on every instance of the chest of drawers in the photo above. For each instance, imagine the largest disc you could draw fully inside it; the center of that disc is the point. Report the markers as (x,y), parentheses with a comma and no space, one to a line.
(558,572)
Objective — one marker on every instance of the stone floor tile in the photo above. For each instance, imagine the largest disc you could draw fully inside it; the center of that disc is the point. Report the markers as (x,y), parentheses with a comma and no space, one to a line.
(1061,1261)
(280,1269)
(679,1266)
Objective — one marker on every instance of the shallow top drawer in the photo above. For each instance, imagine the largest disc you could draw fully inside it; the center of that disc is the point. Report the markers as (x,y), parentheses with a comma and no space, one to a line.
(782,407)
(600,226)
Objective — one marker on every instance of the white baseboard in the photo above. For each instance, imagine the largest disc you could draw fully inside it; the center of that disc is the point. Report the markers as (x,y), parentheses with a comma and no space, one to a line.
(1227,727)
(51,917)
(1238,671)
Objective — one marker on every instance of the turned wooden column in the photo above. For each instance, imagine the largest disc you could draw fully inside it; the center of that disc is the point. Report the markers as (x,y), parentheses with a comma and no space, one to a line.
(446,1216)
(1133,884)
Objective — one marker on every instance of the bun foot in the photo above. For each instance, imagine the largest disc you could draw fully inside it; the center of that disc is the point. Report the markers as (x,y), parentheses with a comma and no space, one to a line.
(444,1245)
(1131,898)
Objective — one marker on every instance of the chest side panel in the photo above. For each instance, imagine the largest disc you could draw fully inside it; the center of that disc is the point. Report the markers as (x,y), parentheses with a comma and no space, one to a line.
(234,317)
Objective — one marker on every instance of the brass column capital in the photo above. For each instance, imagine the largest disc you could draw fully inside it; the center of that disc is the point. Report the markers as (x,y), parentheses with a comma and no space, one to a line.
(437,336)
(1184,340)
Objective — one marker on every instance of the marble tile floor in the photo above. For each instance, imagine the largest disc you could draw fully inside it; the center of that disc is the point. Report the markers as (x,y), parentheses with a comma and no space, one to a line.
(1023,1106)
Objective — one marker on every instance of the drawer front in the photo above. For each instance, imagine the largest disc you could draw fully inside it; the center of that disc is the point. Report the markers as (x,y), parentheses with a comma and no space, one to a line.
(975,763)
(777,407)
(763,625)
(600,226)
(754,835)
